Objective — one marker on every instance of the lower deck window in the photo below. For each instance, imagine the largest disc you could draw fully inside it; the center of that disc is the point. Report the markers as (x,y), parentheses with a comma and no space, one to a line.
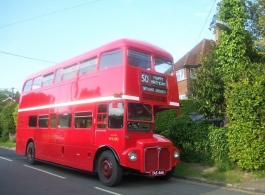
(43,121)
(32,121)
(83,120)
(64,120)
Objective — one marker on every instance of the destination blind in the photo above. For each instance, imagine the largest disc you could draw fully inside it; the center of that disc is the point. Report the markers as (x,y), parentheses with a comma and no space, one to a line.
(153,83)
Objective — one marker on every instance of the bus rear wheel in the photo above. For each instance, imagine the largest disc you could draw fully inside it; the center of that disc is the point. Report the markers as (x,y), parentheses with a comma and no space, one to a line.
(109,170)
(31,153)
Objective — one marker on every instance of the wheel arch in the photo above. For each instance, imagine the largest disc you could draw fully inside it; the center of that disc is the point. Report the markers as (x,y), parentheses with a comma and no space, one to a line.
(29,140)
(99,152)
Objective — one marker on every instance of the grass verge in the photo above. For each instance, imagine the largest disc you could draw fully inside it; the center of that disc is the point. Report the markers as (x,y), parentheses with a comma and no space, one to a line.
(213,174)
(8,144)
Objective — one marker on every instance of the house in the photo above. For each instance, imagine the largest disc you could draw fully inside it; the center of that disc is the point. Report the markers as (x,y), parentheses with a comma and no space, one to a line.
(187,64)
(9,99)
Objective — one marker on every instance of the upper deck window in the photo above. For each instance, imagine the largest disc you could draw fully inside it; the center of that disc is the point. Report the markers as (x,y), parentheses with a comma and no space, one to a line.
(139,59)
(110,59)
(27,86)
(58,75)
(47,79)
(37,82)
(163,66)
(69,72)
(87,66)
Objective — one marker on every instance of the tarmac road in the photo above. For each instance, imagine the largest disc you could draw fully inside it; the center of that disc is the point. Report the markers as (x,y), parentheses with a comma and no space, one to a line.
(19,178)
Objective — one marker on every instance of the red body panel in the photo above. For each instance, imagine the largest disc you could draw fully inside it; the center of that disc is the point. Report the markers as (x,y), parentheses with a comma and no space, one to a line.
(78,147)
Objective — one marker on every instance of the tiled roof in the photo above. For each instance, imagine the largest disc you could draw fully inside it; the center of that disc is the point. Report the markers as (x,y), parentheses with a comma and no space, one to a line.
(193,57)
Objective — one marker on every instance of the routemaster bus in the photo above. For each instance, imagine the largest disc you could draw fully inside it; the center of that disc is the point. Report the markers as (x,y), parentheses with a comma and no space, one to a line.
(95,112)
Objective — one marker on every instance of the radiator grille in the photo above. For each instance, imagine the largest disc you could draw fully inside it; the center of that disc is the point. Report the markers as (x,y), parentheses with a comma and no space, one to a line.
(154,97)
(157,159)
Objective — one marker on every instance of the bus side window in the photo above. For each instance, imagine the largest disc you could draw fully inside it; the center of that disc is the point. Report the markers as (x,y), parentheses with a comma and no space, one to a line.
(87,66)
(47,79)
(43,121)
(64,120)
(53,121)
(58,75)
(37,82)
(102,116)
(27,86)
(69,72)
(32,121)
(83,120)
(110,59)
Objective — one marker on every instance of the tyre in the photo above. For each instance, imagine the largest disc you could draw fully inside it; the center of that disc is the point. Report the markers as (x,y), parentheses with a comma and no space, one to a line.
(31,153)
(168,175)
(109,170)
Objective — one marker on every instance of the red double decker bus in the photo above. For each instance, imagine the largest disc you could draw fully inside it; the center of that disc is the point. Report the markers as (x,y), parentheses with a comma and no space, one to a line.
(95,112)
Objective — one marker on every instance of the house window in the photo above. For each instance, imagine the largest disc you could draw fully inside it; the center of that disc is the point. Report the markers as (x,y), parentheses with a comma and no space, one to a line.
(180,75)
(192,73)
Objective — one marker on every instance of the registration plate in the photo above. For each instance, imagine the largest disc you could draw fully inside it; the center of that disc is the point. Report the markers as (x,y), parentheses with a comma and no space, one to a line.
(158,173)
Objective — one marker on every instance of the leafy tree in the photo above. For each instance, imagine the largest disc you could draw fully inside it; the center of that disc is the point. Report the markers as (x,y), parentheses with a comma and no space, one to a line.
(1,128)
(208,87)
(15,113)
(246,133)
(4,95)
(256,22)
(244,88)
(231,68)
(7,121)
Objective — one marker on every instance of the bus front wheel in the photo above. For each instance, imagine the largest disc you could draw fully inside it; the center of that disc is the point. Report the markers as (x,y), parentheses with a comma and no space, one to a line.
(109,170)
(31,153)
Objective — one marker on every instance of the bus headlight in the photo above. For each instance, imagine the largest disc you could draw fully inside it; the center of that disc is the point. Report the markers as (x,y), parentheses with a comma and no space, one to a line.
(132,156)
(176,154)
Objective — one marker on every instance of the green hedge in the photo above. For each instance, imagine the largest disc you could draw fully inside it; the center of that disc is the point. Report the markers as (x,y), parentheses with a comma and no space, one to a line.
(246,111)
(220,148)
(192,140)
(198,142)
(7,122)
(163,120)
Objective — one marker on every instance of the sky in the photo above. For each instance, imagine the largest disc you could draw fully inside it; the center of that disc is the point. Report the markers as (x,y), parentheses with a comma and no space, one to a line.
(52,31)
